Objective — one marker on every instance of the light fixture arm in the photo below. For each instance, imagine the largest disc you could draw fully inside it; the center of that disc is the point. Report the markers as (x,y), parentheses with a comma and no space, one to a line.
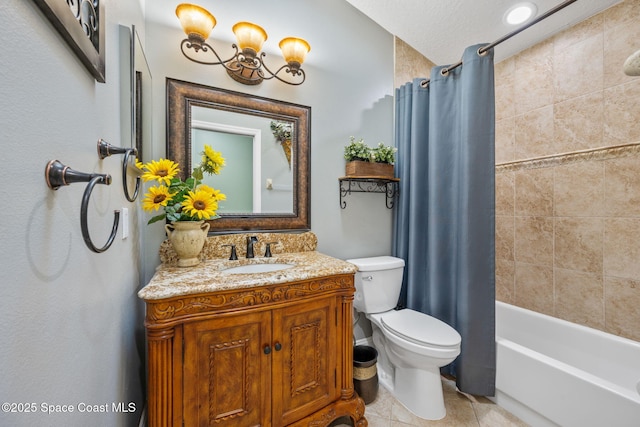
(244,67)
(247,65)
(205,47)
(288,68)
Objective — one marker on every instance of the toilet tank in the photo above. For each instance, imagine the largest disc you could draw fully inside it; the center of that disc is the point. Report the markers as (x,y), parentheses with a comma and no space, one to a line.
(378,283)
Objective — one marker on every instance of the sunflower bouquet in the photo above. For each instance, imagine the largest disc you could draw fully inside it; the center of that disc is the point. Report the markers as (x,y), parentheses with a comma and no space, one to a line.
(188,200)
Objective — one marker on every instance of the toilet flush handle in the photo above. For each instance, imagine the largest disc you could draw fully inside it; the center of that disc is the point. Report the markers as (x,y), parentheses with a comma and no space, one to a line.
(367,278)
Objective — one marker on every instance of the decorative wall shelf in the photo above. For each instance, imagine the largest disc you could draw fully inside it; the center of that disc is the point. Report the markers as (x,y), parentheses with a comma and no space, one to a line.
(369,184)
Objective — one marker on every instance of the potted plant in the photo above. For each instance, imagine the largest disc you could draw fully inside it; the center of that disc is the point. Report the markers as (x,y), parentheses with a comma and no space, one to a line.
(364,161)
(186,204)
(282,133)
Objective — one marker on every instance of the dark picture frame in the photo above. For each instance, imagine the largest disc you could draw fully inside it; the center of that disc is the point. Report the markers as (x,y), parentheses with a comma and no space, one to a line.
(81,23)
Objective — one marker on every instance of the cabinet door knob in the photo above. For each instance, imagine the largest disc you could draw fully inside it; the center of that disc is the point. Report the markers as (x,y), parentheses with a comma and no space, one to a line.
(267,349)
(278,346)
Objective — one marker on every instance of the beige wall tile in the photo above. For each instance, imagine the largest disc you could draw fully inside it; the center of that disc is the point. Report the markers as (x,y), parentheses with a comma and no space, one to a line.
(534,192)
(578,69)
(409,63)
(586,29)
(505,140)
(622,113)
(564,95)
(619,42)
(534,133)
(579,123)
(579,297)
(534,240)
(504,71)
(622,307)
(534,287)
(579,189)
(505,280)
(504,237)
(505,193)
(533,82)
(504,77)
(623,13)
(622,247)
(622,186)
(578,244)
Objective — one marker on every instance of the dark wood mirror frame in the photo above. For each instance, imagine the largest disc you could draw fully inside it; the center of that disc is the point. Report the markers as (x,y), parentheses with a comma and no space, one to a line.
(181,96)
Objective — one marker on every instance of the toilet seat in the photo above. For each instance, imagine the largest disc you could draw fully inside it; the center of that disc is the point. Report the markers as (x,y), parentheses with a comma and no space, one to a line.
(420,329)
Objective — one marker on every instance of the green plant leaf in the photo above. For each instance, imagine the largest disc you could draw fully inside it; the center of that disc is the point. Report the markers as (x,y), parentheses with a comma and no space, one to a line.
(156,218)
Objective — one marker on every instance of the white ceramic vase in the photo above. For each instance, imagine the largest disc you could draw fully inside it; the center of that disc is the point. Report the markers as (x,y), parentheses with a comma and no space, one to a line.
(187,239)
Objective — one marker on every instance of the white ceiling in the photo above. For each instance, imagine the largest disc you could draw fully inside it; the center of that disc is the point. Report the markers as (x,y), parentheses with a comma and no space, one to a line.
(442,29)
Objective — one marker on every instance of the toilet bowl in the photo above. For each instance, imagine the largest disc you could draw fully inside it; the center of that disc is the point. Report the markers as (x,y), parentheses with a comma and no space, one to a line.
(412,346)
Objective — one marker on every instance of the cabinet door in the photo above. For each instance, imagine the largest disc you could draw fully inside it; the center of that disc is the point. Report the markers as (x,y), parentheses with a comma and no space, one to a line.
(227,375)
(304,359)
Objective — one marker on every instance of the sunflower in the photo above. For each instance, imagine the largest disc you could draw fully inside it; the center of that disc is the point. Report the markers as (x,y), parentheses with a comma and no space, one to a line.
(212,160)
(163,171)
(200,204)
(156,197)
(216,194)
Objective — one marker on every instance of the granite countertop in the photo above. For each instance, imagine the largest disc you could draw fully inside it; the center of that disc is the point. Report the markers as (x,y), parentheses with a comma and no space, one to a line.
(208,276)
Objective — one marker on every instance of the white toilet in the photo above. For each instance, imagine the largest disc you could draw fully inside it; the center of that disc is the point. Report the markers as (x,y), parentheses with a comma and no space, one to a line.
(412,346)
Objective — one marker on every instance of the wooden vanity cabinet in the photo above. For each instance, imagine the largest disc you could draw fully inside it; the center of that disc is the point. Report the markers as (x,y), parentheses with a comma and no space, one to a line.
(274,355)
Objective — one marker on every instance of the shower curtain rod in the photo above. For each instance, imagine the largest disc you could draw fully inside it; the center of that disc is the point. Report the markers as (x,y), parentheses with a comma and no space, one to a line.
(507,36)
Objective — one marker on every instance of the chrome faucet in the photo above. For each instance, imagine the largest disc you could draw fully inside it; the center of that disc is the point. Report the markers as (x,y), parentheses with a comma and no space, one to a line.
(250,241)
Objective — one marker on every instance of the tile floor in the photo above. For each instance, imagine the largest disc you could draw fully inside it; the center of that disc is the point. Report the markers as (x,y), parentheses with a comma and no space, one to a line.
(462,411)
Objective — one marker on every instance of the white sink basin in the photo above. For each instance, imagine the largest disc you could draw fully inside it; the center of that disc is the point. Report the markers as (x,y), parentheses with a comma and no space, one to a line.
(257,268)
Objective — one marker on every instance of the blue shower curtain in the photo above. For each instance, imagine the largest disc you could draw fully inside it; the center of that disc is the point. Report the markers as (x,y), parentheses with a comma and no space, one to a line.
(444,226)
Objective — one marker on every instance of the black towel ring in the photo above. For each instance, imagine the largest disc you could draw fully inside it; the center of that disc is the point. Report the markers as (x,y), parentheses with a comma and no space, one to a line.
(57,175)
(105,150)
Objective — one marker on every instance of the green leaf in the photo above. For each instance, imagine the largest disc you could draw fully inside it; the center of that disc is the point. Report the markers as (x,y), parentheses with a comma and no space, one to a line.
(197,173)
(156,218)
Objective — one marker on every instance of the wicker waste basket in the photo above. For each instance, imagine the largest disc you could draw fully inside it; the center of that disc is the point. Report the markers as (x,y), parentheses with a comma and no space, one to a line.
(365,372)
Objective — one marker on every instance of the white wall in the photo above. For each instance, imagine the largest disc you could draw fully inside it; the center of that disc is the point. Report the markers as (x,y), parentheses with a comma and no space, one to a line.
(349,87)
(70,321)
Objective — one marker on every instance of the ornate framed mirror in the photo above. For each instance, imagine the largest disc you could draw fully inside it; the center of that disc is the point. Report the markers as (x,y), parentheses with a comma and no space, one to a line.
(266,177)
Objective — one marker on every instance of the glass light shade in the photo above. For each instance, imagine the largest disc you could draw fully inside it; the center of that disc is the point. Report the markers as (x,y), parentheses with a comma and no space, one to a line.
(294,49)
(195,20)
(249,36)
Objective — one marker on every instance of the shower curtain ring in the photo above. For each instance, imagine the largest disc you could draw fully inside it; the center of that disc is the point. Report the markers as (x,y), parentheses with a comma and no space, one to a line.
(482,51)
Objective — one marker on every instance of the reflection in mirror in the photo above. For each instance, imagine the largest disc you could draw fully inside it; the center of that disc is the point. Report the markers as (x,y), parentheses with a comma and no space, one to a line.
(142,101)
(266,186)
(237,146)
(135,96)
(266,177)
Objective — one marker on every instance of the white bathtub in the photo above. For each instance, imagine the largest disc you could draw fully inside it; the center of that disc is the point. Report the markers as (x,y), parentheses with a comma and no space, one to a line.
(552,372)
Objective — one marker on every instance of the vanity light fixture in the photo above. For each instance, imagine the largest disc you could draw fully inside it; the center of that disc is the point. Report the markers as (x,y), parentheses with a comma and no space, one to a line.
(246,65)
(520,13)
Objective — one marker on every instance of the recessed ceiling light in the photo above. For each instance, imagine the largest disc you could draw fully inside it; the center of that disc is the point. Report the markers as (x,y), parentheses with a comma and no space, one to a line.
(519,13)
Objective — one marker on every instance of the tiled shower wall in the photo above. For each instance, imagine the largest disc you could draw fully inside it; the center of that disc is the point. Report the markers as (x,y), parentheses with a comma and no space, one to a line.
(409,63)
(568,175)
